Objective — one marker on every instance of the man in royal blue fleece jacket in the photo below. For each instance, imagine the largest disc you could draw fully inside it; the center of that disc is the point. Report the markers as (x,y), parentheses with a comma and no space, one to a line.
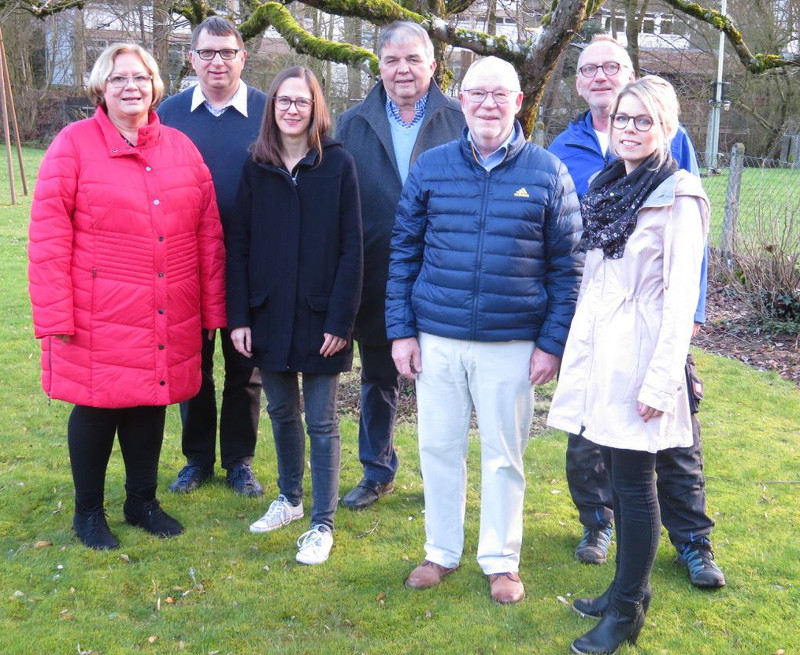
(604,68)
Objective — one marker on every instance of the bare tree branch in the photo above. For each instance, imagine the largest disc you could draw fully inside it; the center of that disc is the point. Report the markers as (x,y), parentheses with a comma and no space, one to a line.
(755,63)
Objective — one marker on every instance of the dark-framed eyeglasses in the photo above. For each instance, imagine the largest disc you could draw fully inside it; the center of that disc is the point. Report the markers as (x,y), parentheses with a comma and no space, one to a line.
(642,122)
(610,68)
(284,102)
(500,96)
(121,81)
(206,54)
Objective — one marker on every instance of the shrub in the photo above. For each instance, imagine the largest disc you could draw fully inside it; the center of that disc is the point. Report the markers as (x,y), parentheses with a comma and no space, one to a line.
(765,267)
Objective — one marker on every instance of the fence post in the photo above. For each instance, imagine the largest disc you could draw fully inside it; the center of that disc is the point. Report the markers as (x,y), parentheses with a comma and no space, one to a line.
(538,134)
(731,217)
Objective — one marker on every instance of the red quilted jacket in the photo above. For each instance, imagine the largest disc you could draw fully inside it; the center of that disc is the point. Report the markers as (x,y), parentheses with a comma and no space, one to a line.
(126,257)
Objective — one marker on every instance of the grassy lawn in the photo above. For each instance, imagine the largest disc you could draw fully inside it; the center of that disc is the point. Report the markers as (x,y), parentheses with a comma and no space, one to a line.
(767,195)
(219,589)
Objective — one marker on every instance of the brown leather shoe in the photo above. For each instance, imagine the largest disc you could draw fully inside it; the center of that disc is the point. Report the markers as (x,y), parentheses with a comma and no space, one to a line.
(428,574)
(506,587)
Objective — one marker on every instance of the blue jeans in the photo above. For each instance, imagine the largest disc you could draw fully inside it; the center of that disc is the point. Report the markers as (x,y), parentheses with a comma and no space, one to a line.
(283,406)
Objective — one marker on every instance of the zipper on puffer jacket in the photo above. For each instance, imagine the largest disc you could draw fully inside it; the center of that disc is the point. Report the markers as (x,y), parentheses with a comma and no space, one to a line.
(479,253)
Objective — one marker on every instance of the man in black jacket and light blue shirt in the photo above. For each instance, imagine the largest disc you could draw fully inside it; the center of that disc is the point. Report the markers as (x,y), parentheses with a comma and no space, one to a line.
(404,115)
(483,282)
(222,116)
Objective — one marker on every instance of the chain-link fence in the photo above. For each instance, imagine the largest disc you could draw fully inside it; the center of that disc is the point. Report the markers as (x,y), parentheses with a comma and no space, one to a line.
(749,195)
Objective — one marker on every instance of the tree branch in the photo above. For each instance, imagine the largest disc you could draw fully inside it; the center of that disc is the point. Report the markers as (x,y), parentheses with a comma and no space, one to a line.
(755,63)
(47,8)
(275,14)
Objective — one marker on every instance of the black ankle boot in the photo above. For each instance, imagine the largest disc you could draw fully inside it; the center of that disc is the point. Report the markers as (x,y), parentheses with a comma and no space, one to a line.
(147,514)
(621,622)
(93,531)
(594,608)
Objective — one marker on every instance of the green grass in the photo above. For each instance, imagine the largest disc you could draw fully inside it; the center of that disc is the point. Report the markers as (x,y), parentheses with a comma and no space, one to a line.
(237,593)
(766,195)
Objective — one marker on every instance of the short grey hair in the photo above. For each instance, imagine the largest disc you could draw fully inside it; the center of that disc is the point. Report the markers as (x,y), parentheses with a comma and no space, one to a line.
(403,31)
(503,68)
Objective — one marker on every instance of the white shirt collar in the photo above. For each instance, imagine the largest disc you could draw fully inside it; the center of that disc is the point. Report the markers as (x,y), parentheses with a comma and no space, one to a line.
(238,101)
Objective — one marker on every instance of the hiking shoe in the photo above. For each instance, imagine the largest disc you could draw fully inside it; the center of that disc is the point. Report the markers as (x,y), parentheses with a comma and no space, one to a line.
(189,478)
(698,557)
(315,545)
(593,548)
(281,512)
(148,515)
(93,531)
(243,481)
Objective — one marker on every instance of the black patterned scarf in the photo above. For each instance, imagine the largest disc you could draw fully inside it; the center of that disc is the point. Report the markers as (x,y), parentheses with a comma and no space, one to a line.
(612,203)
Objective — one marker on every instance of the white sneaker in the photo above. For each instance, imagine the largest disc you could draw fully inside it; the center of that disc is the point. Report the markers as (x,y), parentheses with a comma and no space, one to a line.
(315,545)
(281,512)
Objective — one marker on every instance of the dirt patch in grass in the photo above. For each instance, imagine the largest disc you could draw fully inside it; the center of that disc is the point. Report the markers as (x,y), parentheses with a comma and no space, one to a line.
(733,330)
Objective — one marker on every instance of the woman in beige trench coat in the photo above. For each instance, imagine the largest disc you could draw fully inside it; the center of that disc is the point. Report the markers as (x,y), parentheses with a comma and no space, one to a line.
(622,376)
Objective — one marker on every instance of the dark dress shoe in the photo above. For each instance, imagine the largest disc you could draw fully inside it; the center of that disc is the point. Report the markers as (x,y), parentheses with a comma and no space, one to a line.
(621,622)
(93,531)
(189,478)
(366,493)
(147,514)
(243,481)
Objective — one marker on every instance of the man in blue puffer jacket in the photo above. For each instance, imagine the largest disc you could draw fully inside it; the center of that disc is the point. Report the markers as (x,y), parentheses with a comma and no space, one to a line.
(483,281)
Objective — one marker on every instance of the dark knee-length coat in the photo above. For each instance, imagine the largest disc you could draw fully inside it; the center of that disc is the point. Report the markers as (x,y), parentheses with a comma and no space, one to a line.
(295,260)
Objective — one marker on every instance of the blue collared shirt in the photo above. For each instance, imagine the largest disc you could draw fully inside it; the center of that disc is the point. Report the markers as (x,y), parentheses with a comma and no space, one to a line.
(496,158)
(393,111)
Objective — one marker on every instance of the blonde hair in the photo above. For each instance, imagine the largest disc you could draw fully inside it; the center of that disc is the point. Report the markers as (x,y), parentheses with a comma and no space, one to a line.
(659,99)
(102,68)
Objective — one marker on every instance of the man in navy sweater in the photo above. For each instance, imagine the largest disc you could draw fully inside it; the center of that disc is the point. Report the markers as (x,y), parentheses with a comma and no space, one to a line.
(604,68)
(222,116)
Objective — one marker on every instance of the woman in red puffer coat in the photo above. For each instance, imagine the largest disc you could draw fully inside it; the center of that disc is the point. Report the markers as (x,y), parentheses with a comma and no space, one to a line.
(126,269)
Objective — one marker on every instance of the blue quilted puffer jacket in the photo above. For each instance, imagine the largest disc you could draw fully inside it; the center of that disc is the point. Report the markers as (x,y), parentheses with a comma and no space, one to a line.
(486,256)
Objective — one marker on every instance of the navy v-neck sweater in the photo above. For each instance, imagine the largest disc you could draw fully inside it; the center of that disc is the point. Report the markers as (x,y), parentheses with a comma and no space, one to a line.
(222,140)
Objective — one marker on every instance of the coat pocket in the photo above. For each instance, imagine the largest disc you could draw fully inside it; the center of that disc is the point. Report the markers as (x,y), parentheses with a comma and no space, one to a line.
(318,312)
(259,321)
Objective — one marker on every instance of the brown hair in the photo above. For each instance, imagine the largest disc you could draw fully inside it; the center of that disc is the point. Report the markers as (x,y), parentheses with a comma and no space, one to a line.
(102,68)
(267,148)
(217,26)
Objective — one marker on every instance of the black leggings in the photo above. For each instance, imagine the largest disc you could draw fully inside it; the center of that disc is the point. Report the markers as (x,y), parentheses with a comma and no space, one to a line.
(90,435)
(637,518)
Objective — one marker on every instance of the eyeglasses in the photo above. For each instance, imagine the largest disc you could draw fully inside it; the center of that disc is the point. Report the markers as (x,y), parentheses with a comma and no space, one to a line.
(121,81)
(284,102)
(642,123)
(227,53)
(500,96)
(610,68)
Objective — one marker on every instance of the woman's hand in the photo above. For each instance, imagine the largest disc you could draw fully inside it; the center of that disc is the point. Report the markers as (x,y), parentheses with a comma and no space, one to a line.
(647,412)
(331,345)
(241,338)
